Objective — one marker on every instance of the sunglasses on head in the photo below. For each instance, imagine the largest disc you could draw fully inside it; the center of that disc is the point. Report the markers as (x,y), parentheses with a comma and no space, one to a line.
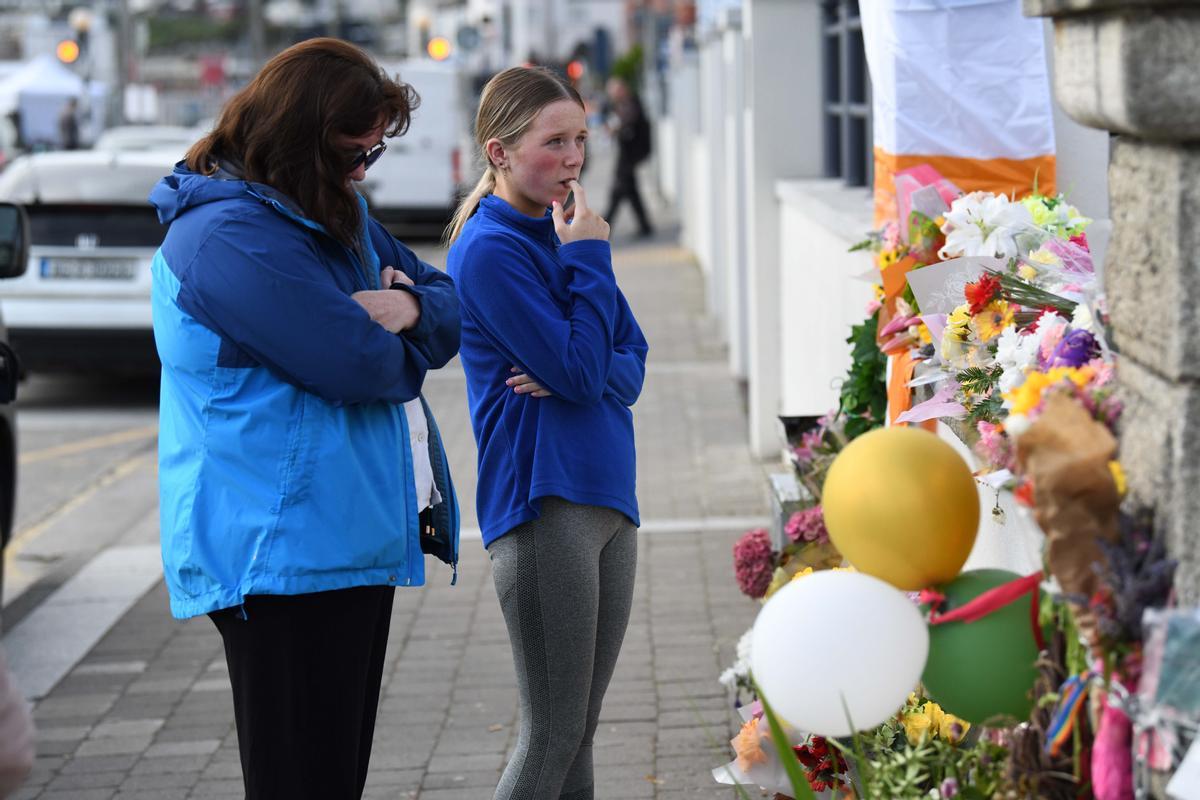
(367,157)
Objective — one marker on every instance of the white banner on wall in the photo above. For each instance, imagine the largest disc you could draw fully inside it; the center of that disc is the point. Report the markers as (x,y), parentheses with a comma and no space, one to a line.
(961,85)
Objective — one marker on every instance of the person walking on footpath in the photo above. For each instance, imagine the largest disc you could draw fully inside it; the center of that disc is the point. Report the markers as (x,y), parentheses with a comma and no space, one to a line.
(68,125)
(631,129)
(299,467)
(554,360)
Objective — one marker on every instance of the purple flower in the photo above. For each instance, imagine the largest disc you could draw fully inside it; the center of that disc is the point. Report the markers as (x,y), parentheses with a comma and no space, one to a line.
(754,562)
(949,788)
(807,525)
(1074,350)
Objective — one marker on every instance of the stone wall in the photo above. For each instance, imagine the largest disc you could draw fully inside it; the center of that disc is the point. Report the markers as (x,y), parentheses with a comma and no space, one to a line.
(1132,67)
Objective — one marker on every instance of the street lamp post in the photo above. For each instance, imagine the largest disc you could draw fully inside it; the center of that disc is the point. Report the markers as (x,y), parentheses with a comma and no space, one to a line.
(80,22)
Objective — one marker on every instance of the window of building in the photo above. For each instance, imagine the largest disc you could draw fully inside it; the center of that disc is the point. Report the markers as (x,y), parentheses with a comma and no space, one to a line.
(847,95)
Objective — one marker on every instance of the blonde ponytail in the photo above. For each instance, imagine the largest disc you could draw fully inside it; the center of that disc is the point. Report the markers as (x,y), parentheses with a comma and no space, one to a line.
(510,102)
(485,186)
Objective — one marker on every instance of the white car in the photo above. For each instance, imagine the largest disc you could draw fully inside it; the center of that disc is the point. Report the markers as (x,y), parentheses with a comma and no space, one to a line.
(417,183)
(84,302)
(148,137)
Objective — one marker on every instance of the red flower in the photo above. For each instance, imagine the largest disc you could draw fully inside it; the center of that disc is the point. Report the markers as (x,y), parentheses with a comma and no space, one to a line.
(1023,494)
(982,292)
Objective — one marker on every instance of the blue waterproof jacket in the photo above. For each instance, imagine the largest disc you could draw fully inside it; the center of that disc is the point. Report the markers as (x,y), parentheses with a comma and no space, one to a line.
(284,458)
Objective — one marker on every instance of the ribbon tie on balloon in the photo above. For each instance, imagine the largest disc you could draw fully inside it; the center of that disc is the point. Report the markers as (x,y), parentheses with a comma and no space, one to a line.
(989,601)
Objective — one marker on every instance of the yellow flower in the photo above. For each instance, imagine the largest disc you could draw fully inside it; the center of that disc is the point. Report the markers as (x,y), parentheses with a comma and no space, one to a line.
(953,729)
(913,700)
(887,258)
(923,334)
(804,573)
(1027,272)
(917,726)
(1043,256)
(958,329)
(960,321)
(748,746)
(1118,474)
(1028,395)
(879,293)
(995,317)
(935,714)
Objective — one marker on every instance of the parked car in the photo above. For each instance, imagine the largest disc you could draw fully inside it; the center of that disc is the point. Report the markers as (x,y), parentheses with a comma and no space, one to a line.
(14,256)
(84,303)
(147,137)
(419,180)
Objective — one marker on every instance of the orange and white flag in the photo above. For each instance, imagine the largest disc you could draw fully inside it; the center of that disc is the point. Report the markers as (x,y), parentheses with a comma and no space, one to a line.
(960,85)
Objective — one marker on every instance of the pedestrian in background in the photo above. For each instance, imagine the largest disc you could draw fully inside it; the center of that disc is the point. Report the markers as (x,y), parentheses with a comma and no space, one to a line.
(68,125)
(294,449)
(554,360)
(631,129)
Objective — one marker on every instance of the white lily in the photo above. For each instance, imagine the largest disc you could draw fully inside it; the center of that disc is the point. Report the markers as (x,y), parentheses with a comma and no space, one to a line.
(984,224)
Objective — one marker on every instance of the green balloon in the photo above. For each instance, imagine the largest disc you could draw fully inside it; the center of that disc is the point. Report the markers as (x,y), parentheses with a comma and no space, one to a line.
(983,671)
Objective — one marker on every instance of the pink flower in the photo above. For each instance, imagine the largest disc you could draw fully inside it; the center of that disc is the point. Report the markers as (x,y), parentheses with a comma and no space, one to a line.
(1073,255)
(807,525)
(994,446)
(1104,372)
(754,562)
(891,236)
(873,305)
(1051,336)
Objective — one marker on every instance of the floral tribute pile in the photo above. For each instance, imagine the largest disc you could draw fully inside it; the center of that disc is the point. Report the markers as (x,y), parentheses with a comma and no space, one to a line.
(994,320)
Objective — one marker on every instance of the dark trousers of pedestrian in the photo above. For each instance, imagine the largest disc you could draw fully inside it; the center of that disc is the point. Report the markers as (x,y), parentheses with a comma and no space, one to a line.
(625,187)
(306,671)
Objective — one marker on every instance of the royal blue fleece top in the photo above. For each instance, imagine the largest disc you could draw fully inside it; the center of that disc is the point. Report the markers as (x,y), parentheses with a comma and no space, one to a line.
(555,312)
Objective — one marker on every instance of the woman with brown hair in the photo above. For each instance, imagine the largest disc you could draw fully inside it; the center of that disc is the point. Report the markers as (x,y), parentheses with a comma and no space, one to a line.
(298,463)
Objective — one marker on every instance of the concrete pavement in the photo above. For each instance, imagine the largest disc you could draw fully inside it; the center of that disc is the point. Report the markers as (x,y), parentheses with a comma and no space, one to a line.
(147,712)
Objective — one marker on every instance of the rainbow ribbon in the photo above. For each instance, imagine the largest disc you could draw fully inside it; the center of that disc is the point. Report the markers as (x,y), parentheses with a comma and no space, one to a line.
(1072,694)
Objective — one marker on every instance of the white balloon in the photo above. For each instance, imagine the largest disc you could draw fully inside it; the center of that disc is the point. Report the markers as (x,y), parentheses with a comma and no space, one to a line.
(834,636)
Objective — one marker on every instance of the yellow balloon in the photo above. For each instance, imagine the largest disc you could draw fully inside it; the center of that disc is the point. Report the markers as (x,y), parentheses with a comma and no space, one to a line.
(901,505)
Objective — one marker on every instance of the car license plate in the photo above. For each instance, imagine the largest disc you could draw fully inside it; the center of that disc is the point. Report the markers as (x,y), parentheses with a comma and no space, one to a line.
(88,269)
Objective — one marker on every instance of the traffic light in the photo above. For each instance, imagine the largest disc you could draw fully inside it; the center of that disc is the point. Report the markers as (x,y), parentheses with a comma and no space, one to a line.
(67,51)
(438,48)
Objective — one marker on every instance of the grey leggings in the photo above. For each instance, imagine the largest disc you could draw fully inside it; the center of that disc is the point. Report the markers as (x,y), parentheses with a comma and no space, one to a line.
(565,582)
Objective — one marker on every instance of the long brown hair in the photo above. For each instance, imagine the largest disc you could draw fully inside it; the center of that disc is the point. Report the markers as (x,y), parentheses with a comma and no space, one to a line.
(281,128)
(510,103)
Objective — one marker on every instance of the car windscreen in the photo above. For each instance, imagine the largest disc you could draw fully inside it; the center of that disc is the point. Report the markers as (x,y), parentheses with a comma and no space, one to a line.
(89,226)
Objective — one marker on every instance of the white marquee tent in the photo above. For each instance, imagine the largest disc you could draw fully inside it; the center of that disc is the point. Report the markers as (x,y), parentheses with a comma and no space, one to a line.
(40,89)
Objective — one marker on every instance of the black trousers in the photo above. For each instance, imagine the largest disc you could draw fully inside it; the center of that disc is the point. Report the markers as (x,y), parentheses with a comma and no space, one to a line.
(306,671)
(625,187)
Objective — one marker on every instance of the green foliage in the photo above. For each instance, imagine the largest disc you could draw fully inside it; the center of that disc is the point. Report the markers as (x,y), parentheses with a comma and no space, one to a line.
(865,244)
(977,380)
(628,66)
(891,766)
(864,391)
(167,32)
(989,409)
(1024,293)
